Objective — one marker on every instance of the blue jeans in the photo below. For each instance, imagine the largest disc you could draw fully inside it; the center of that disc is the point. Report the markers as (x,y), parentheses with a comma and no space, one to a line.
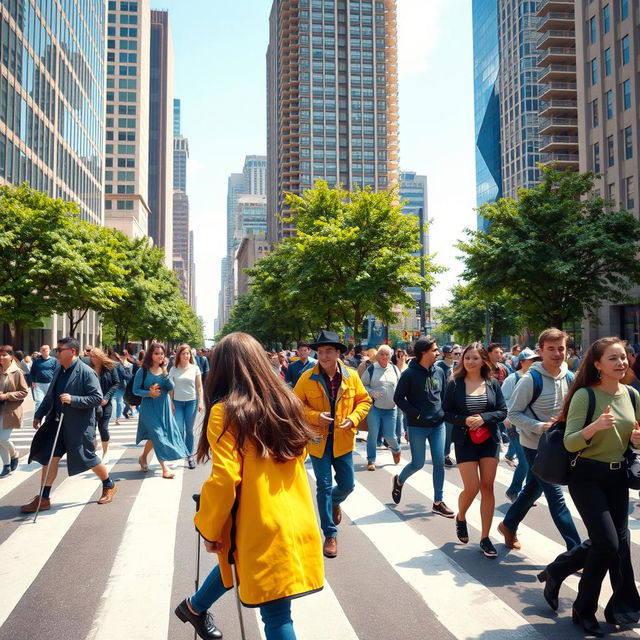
(532,490)
(401,424)
(381,421)
(326,494)
(118,400)
(276,615)
(39,392)
(185,415)
(418,437)
(448,438)
(520,472)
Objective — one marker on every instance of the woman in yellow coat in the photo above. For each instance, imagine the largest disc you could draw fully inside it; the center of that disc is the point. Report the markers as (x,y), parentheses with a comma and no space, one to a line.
(257,502)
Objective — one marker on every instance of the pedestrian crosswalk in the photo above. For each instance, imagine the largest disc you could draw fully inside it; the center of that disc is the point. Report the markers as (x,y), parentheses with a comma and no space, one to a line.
(117,571)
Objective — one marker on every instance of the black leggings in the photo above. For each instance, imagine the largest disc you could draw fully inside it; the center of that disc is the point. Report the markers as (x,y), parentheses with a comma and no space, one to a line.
(103,423)
(601,495)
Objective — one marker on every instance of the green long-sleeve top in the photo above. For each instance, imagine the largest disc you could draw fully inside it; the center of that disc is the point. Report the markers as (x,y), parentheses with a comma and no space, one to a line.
(611,444)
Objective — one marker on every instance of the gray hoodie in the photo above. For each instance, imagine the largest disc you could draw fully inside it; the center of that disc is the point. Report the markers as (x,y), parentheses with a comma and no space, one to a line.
(382,381)
(548,405)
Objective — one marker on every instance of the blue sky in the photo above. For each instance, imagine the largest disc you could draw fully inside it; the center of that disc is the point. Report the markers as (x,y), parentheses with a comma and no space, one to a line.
(219,75)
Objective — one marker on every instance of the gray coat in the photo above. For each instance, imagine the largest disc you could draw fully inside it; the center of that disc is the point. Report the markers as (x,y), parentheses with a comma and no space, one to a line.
(78,426)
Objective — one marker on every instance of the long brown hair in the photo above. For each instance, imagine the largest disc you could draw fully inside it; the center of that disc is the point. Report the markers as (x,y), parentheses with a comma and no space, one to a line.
(105,360)
(147,362)
(258,405)
(487,369)
(588,375)
(181,348)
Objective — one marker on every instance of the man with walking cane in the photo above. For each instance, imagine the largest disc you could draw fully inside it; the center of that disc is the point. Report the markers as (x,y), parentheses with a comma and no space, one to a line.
(68,410)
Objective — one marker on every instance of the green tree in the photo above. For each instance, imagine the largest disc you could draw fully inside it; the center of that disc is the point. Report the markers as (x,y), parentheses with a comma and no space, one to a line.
(466,315)
(558,252)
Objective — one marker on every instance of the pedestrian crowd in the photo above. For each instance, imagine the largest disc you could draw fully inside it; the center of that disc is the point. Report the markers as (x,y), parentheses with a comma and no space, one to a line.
(265,413)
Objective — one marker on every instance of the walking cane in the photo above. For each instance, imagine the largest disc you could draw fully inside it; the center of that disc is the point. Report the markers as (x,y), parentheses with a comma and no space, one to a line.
(53,449)
(196,499)
(234,571)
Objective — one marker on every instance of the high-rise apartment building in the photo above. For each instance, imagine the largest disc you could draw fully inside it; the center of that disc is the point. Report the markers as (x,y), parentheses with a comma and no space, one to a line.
(161,134)
(127,123)
(180,152)
(558,92)
(192,272)
(52,102)
(607,47)
(518,92)
(255,175)
(486,67)
(332,98)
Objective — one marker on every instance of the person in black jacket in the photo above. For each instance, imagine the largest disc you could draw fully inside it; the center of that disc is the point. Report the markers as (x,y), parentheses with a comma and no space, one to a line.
(106,370)
(474,404)
(419,394)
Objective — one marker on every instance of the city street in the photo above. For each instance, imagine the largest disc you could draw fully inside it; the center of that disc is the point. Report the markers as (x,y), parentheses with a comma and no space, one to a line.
(117,571)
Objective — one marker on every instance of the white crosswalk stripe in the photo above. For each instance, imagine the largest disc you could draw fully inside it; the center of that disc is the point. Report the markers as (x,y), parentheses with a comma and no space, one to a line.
(138,593)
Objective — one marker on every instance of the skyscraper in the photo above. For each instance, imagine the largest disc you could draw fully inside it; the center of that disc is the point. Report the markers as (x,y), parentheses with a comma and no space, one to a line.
(52,102)
(486,67)
(518,94)
(607,44)
(332,98)
(161,134)
(127,134)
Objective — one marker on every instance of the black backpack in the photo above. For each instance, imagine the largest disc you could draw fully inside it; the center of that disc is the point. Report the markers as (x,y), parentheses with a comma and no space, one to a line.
(131,398)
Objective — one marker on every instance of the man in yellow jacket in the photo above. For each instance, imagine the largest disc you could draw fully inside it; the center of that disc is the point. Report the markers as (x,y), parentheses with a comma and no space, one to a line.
(335,402)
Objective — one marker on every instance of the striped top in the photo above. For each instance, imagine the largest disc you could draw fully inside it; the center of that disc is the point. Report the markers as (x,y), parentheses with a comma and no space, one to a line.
(476,404)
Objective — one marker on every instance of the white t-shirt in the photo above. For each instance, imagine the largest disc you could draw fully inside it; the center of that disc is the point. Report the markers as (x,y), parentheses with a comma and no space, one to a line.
(185,382)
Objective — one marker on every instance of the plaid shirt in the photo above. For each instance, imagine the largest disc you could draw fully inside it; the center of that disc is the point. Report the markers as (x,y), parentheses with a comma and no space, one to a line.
(333,384)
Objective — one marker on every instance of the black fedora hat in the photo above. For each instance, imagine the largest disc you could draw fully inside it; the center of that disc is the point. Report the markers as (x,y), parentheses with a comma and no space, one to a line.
(328,339)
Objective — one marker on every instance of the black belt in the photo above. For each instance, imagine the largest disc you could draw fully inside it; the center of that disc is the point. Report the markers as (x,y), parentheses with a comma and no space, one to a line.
(608,466)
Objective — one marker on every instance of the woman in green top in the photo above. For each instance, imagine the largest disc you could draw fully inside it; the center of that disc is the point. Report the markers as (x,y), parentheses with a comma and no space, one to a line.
(598,482)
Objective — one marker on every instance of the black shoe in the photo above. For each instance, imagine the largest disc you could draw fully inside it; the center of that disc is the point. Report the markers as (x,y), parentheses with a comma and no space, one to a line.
(551,589)
(191,462)
(590,625)
(441,509)
(448,462)
(202,622)
(487,548)
(461,531)
(396,491)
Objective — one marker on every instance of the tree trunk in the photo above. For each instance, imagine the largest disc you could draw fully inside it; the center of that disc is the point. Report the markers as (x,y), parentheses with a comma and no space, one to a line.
(17,334)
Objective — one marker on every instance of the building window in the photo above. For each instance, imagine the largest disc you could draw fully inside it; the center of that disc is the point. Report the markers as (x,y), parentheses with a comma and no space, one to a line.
(606,18)
(624,45)
(611,192)
(626,94)
(624,9)
(609,97)
(594,113)
(610,156)
(607,62)
(628,184)
(593,30)
(596,157)
(594,71)
(628,143)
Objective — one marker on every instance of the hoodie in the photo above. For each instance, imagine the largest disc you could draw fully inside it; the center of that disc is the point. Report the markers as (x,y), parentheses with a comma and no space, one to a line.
(419,395)
(527,422)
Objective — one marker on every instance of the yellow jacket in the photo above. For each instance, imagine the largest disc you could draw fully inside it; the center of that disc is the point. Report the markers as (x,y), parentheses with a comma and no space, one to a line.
(278,547)
(353,402)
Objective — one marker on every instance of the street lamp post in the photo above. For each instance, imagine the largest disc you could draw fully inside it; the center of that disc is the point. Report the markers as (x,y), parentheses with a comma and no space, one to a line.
(423,296)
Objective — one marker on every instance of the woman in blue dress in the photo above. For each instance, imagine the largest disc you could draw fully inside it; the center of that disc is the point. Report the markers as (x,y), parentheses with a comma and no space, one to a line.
(156,423)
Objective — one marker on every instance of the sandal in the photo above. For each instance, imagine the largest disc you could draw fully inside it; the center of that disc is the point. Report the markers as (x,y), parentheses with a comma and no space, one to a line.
(461,531)
(168,476)
(144,467)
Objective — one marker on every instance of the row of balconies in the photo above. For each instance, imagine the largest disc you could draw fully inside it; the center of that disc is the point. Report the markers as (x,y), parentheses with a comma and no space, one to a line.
(557,72)
(561,55)
(556,38)
(558,90)
(558,124)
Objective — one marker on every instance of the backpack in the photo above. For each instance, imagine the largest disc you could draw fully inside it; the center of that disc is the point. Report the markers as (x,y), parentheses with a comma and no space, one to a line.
(538,383)
(553,463)
(125,374)
(371,368)
(131,398)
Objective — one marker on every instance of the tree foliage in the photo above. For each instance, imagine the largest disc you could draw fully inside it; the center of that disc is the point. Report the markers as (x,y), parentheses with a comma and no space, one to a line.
(351,256)
(558,252)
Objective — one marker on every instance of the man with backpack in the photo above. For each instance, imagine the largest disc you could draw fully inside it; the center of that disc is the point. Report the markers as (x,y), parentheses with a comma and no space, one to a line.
(380,379)
(533,408)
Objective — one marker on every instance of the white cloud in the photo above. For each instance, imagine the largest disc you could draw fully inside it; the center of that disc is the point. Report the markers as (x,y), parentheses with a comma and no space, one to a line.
(418,27)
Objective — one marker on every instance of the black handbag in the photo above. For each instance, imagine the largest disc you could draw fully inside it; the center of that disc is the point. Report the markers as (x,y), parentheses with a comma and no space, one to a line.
(553,463)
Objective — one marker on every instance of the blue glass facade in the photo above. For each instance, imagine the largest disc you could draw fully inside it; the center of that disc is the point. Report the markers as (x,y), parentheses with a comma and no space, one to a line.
(52,98)
(486,65)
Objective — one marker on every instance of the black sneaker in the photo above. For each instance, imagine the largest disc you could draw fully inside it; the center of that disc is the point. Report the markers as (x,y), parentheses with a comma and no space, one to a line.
(448,462)
(202,622)
(487,548)
(442,510)
(396,490)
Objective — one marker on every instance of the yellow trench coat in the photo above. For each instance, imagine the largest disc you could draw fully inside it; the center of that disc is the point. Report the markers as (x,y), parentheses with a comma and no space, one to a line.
(279,551)
(353,402)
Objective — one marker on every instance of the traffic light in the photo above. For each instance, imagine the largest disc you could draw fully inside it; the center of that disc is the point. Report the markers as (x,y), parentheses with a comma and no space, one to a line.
(405,335)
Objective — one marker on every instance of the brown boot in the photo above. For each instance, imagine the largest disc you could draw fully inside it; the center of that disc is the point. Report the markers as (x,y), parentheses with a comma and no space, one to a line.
(330,547)
(337,514)
(32,506)
(510,538)
(107,494)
